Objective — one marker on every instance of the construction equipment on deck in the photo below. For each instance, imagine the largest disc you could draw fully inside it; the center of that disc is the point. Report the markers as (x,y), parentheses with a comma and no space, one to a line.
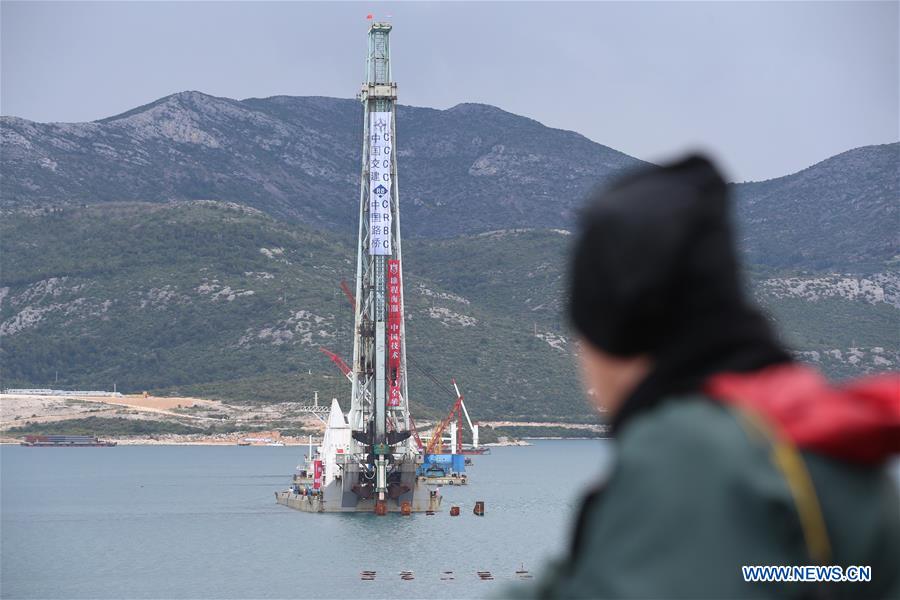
(454,423)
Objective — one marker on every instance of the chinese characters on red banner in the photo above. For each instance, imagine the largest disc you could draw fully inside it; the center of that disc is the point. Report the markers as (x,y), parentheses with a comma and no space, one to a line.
(394,327)
(317,474)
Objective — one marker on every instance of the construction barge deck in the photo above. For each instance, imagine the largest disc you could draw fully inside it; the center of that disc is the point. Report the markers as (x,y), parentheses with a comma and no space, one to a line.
(421,497)
(334,479)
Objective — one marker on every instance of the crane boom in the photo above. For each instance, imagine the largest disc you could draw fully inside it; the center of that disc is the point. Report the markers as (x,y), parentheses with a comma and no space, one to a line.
(337,360)
(345,287)
(463,405)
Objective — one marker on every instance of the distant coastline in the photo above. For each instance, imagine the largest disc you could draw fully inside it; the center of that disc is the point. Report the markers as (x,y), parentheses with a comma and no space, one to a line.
(146,420)
(180,441)
(151,442)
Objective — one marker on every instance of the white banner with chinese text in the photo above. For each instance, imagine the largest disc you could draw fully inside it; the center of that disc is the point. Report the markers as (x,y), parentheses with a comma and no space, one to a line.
(380,146)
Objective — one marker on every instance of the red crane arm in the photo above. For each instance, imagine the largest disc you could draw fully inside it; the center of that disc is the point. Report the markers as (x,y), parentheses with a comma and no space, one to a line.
(349,294)
(435,442)
(415,431)
(337,360)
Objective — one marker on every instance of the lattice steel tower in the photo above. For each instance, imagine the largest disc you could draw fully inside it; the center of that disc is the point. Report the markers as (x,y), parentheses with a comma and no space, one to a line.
(367,461)
(379,411)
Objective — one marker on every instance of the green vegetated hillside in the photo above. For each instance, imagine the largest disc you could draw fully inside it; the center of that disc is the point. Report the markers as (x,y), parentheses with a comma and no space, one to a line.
(839,214)
(150,296)
(844,331)
(117,269)
(220,300)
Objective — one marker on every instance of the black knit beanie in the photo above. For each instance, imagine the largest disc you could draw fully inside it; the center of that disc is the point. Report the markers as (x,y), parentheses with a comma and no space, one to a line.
(654,259)
(655,272)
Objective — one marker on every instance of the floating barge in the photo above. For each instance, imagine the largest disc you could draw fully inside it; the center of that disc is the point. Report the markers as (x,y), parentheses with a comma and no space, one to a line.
(65,441)
(336,479)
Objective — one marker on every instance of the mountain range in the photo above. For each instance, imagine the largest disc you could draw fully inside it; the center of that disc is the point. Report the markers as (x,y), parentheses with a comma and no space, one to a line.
(195,244)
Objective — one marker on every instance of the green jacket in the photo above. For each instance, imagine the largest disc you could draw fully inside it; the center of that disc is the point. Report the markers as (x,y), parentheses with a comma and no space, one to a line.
(694,495)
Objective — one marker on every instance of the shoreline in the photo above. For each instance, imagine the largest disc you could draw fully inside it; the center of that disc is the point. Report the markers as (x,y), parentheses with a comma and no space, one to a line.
(175,441)
(151,442)
(146,420)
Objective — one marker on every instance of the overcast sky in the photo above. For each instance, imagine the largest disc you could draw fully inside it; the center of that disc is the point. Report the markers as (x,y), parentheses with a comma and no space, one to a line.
(769,87)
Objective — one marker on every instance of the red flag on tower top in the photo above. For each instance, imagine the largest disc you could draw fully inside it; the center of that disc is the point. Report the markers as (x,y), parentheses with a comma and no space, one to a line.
(370,16)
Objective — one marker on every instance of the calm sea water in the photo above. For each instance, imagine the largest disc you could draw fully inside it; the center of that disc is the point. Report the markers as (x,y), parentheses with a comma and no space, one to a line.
(201,522)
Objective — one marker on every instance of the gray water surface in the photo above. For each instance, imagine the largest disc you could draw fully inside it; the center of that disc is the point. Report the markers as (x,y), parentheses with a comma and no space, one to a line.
(201,522)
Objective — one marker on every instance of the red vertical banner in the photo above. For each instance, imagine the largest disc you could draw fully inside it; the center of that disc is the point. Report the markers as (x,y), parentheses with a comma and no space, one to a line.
(394,327)
(317,474)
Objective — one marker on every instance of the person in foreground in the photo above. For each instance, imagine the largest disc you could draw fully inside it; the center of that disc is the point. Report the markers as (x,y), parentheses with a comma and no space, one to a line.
(728,453)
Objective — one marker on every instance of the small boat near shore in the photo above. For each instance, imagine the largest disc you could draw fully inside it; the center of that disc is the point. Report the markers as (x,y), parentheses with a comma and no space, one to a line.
(65,441)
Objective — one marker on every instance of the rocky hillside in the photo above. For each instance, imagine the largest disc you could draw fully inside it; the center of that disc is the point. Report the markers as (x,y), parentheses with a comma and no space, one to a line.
(221,300)
(470,168)
(842,213)
(195,246)
(845,323)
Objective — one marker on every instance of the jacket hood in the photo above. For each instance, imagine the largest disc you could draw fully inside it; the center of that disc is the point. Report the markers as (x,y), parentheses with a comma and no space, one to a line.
(857,422)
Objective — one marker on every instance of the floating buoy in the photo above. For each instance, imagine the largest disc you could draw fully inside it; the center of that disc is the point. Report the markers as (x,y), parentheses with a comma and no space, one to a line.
(429,513)
(405,508)
(407,575)
(454,511)
(447,576)
(367,575)
(380,508)
(479,508)
(522,573)
(485,576)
